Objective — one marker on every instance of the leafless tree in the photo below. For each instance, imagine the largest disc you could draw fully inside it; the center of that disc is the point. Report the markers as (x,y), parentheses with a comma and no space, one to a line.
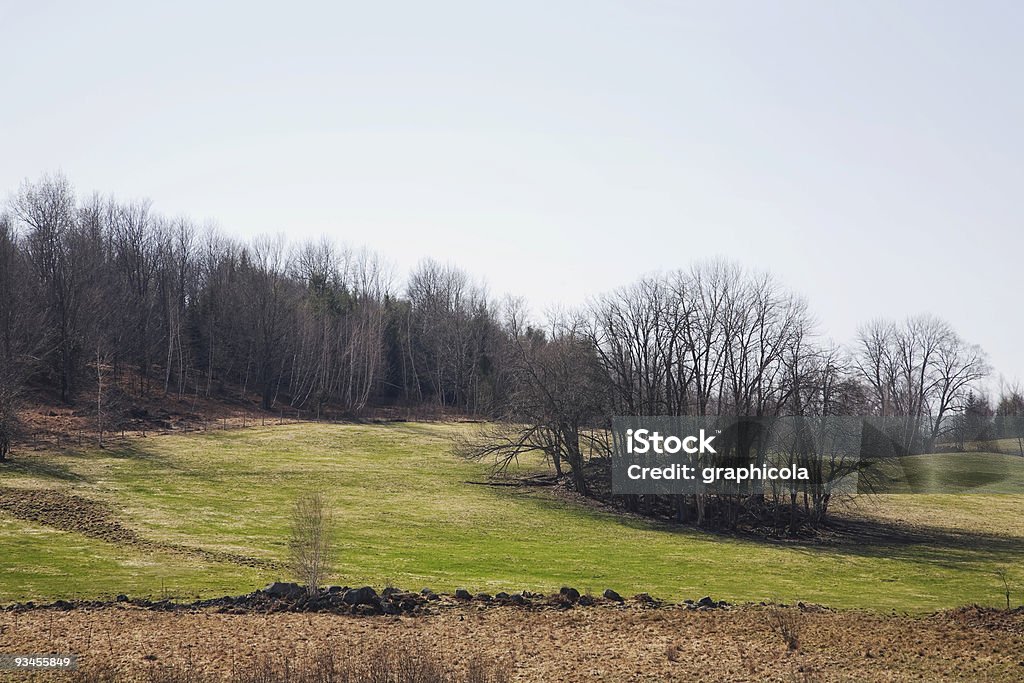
(919,371)
(452,338)
(340,326)
(15,326)
(310,542)
(1004,578)
(557,405)
(1010,414)
(268,306)
(48,210)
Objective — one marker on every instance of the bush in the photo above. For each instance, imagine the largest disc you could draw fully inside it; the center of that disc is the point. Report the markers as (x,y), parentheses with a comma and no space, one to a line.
(787,623)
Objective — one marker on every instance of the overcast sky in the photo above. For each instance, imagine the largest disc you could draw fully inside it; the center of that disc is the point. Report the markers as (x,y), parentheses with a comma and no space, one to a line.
(870,154)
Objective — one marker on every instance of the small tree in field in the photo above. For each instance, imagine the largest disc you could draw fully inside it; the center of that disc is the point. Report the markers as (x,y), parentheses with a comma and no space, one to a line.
(1004,578)
(309,542)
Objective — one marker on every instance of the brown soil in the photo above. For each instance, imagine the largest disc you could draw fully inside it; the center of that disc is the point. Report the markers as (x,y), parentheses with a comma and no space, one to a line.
(68,512)
(599,643)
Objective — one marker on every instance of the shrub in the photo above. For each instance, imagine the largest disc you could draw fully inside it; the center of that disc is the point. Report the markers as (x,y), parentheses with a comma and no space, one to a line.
(309,542)
(787,623)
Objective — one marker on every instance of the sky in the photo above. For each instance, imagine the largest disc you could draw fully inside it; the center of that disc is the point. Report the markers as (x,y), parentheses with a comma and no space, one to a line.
(870,154)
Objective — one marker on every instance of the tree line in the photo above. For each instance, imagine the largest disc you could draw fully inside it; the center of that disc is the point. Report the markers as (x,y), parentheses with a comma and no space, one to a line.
(97,294)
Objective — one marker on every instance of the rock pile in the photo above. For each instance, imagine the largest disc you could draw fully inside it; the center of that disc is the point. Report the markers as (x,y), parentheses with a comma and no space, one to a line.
(365,601)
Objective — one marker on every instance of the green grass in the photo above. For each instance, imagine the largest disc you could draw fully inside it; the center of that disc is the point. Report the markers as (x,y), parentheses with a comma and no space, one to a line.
(969,472)
(405,515)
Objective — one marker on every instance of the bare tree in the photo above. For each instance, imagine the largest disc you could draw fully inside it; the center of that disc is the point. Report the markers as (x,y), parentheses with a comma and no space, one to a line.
(16,328)
(269,304)
(958,366)
(452,337)
(636,333)
(1010,415)
(338,348)
(1004,578)
(310,542)
(918,371)
(48,210)
(557,404)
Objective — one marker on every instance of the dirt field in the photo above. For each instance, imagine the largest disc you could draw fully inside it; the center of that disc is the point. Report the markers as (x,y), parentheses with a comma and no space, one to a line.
(599,643)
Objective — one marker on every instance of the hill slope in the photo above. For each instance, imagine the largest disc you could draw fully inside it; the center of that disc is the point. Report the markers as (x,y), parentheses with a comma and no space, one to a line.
(207,514)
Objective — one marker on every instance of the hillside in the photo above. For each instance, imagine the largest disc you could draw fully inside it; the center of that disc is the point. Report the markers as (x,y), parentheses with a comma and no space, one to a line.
(205,514)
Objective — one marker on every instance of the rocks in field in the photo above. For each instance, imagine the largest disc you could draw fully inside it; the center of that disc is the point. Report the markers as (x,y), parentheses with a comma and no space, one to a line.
(361,596)
(292,597)
(645,599)
(407,596)
(403,602)
(705,603)
(284,591)
(505,598)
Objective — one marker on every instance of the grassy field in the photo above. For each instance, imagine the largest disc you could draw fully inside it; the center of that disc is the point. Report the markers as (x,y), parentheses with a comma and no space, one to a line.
(969,472)
(406,515)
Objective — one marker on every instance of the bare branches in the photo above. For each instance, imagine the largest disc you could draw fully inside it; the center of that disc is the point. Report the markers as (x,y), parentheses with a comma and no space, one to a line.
(920,370)
(309,542)
(557,396)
